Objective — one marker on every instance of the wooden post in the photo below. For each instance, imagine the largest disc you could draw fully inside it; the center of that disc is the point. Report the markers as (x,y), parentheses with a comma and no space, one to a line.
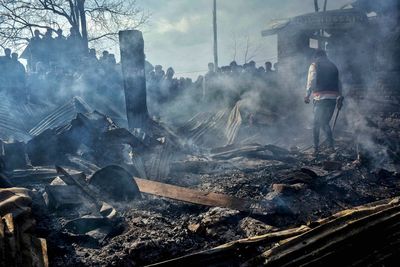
(215,35)
(132,62)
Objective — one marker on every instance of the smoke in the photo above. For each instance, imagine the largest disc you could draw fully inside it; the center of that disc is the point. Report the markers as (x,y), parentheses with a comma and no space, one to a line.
(239,104)
(363,54)
(369,66)
(234,105)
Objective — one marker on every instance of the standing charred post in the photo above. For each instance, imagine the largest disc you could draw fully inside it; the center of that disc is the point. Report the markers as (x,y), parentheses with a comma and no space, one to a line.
(132,62)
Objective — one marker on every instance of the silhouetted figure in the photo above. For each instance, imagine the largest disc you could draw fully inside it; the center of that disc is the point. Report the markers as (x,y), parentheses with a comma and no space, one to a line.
(60,36)
(268,67)
(159,73)
(276,67)
(47,47)
(211,70)
(60,48)
(17,78)
(7,55)
(168,88)
(252,67)
(74,47)
(32,52)
(104,58)
(92,54)
(6,70)
(235,70)
(170,74)
(111,60)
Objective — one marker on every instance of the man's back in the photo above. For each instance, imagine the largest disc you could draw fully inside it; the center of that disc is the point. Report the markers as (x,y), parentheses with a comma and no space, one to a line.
(327,76)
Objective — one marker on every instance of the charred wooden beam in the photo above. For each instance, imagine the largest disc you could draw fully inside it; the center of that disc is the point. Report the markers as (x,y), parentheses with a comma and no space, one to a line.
(195,196)
(132,62)
(93,196)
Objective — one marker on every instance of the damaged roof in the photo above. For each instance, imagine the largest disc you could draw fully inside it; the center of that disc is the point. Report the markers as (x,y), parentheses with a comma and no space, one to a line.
(332,19)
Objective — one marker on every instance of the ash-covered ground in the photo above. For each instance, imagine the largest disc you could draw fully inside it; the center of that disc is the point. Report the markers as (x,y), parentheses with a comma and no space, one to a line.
(154,229)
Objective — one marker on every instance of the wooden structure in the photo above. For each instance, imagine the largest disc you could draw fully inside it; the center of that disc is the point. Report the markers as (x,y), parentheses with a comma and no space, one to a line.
(361,38)
(298,37)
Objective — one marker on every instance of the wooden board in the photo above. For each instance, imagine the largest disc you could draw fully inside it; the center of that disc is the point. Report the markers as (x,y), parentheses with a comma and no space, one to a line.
(39,175)
(192,196)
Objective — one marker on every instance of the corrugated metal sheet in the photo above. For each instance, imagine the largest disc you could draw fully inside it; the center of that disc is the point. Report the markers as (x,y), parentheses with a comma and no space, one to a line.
(15,120)
(61,115)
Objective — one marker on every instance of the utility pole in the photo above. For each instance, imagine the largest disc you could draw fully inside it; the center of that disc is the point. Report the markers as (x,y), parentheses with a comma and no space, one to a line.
(323,30)
(215,35)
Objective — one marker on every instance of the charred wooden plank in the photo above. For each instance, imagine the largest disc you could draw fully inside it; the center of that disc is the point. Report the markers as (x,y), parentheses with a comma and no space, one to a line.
(2,242)
(71,180)
(39,252)
(38,175)
(193,196)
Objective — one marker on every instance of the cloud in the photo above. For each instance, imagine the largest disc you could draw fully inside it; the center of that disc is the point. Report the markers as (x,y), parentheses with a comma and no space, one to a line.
(183,25)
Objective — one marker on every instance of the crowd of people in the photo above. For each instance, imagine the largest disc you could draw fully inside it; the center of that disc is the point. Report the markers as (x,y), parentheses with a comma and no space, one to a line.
(61,50)
(12,75)
(232,81)
(219,87)
(59,68)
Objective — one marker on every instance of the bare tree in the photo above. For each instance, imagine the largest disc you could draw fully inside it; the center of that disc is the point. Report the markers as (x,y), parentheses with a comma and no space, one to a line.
(234,46)
(250,51)
(94,20)
(245,45)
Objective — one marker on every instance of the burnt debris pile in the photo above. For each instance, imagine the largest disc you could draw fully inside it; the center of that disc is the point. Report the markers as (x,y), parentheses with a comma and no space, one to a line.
(122,164)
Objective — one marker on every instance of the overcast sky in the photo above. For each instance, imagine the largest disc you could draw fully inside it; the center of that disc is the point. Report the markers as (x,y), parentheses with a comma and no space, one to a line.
(179,33)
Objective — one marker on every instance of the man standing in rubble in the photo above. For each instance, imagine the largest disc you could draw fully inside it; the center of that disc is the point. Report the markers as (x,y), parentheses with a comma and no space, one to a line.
(324,84)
